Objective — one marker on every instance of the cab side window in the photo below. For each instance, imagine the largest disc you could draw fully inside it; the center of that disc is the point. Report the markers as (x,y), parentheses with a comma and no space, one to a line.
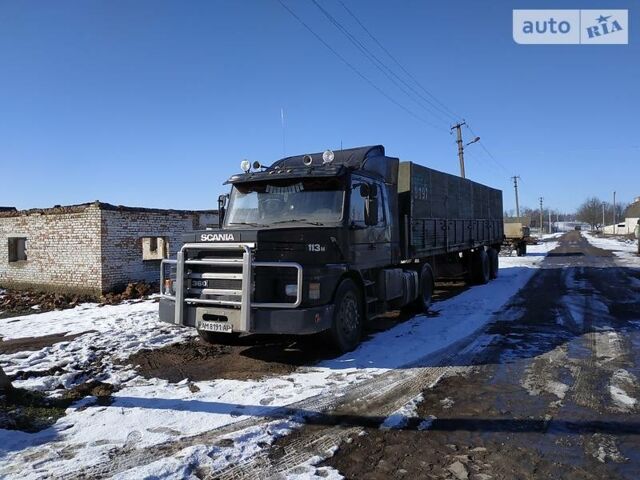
(358,203)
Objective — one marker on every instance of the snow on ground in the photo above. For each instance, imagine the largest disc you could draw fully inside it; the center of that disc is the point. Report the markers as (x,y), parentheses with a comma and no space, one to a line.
(625,250)
(401,417)
(147,412)
(621,382)
(117,331)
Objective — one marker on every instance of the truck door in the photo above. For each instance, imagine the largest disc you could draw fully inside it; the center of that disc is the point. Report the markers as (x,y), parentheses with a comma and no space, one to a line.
(371,244)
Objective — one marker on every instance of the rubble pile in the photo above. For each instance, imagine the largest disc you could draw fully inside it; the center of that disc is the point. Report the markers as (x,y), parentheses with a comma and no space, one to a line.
(15,301)
(20,302)
(133,291)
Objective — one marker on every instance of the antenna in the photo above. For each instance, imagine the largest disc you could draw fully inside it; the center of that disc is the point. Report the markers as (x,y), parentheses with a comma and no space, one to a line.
(283,138)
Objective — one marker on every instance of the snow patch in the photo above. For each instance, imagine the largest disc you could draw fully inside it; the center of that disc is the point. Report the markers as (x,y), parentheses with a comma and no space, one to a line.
(400,418)
(621,382)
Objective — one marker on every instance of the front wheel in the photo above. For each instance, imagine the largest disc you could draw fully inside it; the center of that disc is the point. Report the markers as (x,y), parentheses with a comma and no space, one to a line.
(346,328)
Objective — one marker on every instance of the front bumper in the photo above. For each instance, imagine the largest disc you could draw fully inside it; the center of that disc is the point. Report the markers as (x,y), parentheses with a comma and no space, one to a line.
(297,321)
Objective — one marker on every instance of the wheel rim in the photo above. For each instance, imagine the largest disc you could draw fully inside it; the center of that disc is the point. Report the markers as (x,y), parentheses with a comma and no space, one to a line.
(348,315)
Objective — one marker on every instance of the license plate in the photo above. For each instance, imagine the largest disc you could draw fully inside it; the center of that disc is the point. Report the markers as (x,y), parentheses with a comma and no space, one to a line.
(222,327)
(199,283)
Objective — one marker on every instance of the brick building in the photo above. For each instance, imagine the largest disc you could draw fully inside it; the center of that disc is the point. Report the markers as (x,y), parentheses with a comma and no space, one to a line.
(91,248)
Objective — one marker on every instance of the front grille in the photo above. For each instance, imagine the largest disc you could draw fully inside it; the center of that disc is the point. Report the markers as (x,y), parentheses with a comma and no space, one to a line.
(224,284)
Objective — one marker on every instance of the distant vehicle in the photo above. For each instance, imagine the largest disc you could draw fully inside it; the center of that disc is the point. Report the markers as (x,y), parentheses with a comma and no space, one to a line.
(516,236)
(578,227)
(323,242)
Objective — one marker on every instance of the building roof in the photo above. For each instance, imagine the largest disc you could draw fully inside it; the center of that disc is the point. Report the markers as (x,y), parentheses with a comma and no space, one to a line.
(633,210)
(66,209)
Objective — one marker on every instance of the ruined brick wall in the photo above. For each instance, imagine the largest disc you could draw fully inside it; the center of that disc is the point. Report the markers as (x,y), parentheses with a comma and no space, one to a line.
(122,233)
(90,249)
(63,250)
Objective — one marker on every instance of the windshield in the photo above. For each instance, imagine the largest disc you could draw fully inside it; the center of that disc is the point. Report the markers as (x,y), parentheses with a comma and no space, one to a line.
(310,201)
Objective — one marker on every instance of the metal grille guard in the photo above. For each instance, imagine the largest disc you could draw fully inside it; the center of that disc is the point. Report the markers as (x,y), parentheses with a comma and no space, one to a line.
(247,264)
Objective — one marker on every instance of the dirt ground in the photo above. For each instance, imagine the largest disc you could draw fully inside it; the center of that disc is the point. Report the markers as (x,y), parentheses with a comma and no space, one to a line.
(34,343)
(552,396)
(255,356)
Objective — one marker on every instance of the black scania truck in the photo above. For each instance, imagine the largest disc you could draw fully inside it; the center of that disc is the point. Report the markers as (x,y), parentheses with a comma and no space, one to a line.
(325,241)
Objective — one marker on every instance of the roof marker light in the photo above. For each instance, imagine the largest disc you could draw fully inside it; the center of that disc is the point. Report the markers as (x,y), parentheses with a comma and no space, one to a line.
(307,160)
(257,165)
(245,165)
(327,157)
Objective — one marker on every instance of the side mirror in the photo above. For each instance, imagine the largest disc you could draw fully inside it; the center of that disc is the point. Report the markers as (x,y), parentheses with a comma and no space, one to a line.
(222,207)
(365,190)
(371,206)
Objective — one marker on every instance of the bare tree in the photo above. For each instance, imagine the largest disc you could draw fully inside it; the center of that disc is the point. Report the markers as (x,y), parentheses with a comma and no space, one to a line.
(5,383)
(590,212)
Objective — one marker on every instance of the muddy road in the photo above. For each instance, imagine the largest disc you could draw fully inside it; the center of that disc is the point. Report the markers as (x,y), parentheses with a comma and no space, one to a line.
(554,394)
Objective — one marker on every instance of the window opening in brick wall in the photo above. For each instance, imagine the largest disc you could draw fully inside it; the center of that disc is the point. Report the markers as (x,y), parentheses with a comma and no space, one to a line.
(154,248)
(17,249)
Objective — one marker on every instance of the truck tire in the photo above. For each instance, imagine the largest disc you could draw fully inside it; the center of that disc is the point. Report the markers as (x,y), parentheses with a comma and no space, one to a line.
(346,327)
(522,249)
(494,263)
(214,338)
(425,289)
(481,270)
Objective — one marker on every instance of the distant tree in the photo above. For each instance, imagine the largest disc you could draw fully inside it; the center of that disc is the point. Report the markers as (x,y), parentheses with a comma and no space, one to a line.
(591,212)
(5,384)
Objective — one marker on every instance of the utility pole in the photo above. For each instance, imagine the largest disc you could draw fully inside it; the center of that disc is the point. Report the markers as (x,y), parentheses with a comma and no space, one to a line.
(550,229)
(541,218)
(515,186)
(458,128)
(614,213)
(603,220)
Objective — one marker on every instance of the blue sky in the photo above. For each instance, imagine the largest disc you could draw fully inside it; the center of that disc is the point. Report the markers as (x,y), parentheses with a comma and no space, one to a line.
(155,103)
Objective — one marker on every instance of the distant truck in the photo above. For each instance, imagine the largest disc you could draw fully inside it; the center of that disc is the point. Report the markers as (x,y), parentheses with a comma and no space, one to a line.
(516,236)
(324,242)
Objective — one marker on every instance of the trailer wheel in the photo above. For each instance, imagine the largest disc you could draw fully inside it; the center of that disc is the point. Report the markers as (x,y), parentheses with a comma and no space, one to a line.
(346,328)
(425,289)
(494,265)
(481,268)
(214,338)
(522,249)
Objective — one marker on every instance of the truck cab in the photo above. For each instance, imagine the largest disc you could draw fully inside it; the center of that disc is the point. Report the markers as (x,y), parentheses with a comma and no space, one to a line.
(289,235)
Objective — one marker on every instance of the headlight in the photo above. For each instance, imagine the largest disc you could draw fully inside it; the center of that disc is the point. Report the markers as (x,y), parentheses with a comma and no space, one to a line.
(314,291)
(291,290)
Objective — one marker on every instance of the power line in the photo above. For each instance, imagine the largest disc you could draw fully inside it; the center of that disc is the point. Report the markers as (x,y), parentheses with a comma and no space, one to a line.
(355,70)
(443,108)
(379,64)
(487,151)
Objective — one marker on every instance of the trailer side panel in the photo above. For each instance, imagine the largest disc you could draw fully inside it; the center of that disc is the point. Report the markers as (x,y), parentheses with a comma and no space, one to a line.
(442,213)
